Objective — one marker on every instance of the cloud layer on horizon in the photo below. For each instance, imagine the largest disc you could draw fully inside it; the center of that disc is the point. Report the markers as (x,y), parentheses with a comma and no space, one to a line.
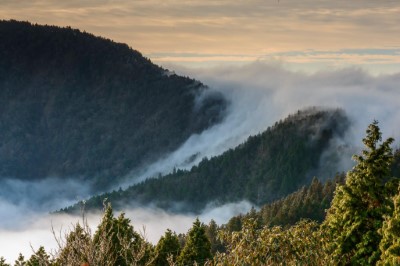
(234,31)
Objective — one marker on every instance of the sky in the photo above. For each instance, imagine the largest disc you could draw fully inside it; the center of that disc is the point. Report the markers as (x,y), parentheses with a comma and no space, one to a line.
(304,35)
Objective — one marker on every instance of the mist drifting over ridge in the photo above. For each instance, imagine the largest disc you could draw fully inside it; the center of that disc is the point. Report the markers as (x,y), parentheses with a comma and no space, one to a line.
(262,93)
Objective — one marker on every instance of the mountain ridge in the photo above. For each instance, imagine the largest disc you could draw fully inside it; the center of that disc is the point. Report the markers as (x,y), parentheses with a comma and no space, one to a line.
(84,107)
(264,168)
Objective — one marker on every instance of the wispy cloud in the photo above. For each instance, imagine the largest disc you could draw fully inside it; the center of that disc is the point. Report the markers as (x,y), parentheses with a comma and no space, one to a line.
(228,28)
(377,61)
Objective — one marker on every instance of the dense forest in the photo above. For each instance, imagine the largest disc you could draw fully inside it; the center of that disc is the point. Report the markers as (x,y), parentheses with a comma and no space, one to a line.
(361,228)
(266,167)
(79,106)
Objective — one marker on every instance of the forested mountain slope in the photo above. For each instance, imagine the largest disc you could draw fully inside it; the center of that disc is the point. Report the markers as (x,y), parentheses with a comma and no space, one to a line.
(76,105)
(308,202)
(266,167)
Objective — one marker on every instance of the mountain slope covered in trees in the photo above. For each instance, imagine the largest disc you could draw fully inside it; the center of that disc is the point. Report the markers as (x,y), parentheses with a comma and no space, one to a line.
(76,105)
(308,202)
(266,167)
(361,228)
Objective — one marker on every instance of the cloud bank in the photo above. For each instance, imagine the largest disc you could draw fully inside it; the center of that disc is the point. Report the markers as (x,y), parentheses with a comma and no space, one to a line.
(263,93)
(150,222)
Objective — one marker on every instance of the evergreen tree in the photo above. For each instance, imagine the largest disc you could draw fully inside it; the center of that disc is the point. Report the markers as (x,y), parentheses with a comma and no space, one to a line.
(20,261)
(390,243)
(197,248)
(77,248)
(212,234)
(167,245)
(358,206)
(40,258)
(297,245)
(3,262)
(118,241)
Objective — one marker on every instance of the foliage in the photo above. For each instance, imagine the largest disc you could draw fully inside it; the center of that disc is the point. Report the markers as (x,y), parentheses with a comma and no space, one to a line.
(266,167)
(309,202)
(297,245)
(359,205)
(114,243)
(197,248)
(167,246)
(3,262)
(212,230)
(40,258)
(390,243)
(20,260)
(76,105)
(78,242)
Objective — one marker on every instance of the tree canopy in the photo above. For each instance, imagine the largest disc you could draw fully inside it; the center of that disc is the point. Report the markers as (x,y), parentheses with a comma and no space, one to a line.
(359,205)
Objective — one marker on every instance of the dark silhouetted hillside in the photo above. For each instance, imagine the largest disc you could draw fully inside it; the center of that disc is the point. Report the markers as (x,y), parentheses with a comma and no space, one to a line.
(72,104)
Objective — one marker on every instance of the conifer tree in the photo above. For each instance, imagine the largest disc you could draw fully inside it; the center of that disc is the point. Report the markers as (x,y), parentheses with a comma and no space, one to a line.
(40,258)
(167,245)
(197,248)
(358,207)
(3,262)
(390,243)
(118,241)
(77,248)
(212,234)
(20,260)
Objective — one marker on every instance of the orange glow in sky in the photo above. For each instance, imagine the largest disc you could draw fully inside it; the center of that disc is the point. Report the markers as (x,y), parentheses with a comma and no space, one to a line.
(194,31)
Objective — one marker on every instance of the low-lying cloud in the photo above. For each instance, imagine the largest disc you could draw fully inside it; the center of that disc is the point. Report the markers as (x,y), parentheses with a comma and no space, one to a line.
(150,222)
(263,93)
(21,200)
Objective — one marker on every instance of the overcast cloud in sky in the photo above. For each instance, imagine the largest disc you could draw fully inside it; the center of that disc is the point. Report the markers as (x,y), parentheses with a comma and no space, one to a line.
(307,34)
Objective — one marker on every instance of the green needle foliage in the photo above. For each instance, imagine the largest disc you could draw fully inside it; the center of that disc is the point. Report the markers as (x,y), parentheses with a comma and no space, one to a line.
(167,246)
(40,258)
(390,243)
(117,238)
(359,205)
(3,262)
(115,242)
(297,245)
(20,260)
(197,248)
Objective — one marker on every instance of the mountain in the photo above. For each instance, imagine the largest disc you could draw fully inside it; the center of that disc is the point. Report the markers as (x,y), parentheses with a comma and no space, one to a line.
(266,167)
(84,107)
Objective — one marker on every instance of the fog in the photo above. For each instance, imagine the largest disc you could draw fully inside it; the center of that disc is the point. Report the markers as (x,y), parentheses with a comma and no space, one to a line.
(262,93)
(36,228)
(259,94)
